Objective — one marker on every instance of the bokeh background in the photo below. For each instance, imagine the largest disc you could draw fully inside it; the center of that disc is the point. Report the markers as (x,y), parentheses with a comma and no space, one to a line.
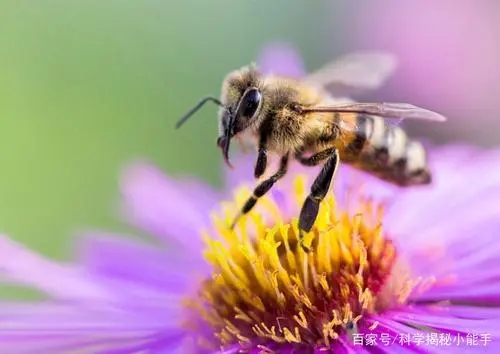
(87,86)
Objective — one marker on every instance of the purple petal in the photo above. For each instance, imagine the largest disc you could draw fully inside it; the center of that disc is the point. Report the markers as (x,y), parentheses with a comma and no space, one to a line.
(428,201)
(456,240)
(281,59)
(443,321)
(461,233)
(486,293)
(445,163)
(457,327)
(476,193)
(165,208)
(457,311)
(23,266)
(447,215)
(146,265)
(167,343)
(393,332)
(50,328)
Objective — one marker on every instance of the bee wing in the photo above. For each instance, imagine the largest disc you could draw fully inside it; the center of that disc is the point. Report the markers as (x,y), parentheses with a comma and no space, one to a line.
(398,111)
(359,70)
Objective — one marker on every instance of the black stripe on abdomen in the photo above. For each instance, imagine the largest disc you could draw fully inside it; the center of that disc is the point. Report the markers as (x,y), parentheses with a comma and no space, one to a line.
(363,130)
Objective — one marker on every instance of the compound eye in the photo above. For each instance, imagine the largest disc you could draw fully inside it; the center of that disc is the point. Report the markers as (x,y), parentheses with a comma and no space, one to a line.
(250,102)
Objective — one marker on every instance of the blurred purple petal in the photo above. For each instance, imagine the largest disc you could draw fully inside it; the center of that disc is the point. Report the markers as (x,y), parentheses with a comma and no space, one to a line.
(242,173)
(102,254)
(446,323)
(55,328)
(427,201)
(460,311)
(23,266)
(281,59)
(151,198)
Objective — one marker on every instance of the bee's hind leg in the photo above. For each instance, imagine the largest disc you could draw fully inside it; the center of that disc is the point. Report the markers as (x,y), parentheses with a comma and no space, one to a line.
(319,189)
(262,189)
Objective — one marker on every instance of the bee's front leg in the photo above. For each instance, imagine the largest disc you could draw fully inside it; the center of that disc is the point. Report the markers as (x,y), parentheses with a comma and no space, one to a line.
(261,163)
(319,189)
(262,188)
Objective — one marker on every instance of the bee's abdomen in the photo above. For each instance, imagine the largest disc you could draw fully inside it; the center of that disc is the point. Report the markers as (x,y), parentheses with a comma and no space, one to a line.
(386,151)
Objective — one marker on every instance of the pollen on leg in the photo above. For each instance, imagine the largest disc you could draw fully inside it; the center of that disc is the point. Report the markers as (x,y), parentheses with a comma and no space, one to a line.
(265,291)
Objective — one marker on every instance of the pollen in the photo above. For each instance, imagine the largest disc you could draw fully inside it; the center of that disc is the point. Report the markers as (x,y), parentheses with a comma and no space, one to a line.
(265,291)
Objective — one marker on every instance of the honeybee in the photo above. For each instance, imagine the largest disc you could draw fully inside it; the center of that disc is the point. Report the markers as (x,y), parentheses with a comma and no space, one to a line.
(301,119)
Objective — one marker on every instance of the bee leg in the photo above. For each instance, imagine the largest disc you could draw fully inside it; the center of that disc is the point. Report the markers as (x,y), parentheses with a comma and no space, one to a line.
(261,164)
(262,188)
(319,189)
(315,159)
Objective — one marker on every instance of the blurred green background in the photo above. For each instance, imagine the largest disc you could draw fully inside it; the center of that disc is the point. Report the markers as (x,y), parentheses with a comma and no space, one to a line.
(87,86)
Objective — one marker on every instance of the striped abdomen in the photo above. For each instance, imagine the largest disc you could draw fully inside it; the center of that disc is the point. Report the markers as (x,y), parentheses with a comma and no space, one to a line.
(386,151)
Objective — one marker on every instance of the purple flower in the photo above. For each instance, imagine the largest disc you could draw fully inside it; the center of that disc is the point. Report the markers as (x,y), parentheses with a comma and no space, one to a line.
(410,270)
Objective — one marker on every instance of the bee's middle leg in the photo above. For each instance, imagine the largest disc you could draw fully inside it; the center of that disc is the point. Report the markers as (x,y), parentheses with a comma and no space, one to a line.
(319,189)
(262,188)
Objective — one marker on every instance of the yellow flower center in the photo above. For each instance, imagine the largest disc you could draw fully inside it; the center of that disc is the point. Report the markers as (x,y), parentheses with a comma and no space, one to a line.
(266,291)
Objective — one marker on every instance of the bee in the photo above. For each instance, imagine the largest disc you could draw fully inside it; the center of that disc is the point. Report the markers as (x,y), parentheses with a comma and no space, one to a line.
(301,119)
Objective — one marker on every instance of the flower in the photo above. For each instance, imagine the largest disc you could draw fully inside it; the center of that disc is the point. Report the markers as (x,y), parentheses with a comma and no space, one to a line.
(423,266)
(410,269)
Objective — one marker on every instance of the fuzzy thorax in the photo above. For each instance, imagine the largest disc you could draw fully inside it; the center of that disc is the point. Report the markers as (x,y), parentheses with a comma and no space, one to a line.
(266,291)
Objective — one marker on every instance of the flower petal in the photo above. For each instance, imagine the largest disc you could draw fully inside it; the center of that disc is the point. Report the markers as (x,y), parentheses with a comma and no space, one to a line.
(457,311)
(59,328)
(281,59)
(447,193)
(20,265)
(147,266)
(163,207)
(460,328)
(462,256)
(391,336)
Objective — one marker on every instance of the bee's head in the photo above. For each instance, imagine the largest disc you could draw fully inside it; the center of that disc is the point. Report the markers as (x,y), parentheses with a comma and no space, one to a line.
(240,104)
(241,100)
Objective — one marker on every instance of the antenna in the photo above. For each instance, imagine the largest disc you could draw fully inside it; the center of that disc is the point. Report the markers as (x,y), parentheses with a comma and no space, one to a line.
(196,108)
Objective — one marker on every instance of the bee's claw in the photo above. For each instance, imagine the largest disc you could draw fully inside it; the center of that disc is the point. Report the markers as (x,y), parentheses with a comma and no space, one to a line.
(301,242)
(233,224)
